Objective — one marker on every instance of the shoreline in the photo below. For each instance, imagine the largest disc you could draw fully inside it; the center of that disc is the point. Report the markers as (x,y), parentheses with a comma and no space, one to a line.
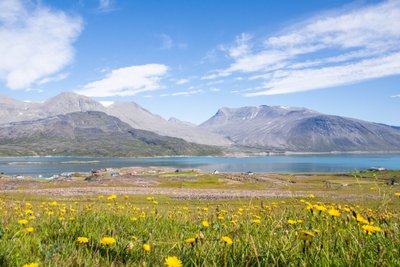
(252,155)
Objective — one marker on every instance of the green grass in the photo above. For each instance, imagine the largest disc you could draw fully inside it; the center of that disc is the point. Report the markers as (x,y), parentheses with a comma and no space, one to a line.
(167,223)
(259,228)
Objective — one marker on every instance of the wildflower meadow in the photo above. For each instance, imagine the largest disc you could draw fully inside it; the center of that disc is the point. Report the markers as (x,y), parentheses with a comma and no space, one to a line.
(117,230)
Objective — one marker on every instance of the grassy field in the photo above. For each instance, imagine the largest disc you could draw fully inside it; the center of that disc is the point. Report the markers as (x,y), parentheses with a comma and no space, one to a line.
(339,220)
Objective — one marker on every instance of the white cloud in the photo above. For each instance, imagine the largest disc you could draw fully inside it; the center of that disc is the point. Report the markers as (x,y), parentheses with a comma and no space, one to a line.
(395,96)
(55,78)
(127,81)
(104,4)
(36,42)
(187,93)
(310,79)
(184,93)
(182,81)
(215,82)
(325,51)
(214,90)
(167,42)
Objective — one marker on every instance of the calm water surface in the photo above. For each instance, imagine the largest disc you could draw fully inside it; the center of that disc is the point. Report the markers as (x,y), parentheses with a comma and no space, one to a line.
(286,163)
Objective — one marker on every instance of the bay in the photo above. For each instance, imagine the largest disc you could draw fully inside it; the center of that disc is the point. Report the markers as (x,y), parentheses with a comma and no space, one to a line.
(49,166)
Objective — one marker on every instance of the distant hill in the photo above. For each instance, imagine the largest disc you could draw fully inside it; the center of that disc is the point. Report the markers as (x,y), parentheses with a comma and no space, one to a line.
(140,118)
(237,130)
(92,134)
(12,110)
(300,130)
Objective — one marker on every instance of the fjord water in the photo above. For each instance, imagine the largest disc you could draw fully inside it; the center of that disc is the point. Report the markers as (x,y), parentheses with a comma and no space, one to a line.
(49,166)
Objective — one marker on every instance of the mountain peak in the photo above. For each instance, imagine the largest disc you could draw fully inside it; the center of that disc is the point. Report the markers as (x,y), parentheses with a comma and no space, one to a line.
(68,102)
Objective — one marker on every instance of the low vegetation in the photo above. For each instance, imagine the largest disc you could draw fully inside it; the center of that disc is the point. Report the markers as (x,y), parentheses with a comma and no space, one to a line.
(331,226)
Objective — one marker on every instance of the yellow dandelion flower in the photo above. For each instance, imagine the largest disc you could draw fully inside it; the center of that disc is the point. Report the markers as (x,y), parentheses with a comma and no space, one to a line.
(28,212)
(292,222)
(31,218)
(146,247)
(22,221)
(173,262)
(320,208)
(256,221)
(397,194)
(334,212)
(227,240)
(107,241)
(29,229)
(311,196)
(32,264)
(307,233)
(369,229)
(112,197)
(82,240)
(133,219)
(190,241)
(205,224)
(361,219)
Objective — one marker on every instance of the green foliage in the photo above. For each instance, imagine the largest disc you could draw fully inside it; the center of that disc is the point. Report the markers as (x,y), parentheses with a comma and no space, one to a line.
(286,232)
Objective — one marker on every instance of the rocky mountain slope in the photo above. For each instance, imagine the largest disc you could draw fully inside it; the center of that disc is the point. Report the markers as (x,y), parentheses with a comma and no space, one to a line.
(129,112)
(302,130)
(90,133)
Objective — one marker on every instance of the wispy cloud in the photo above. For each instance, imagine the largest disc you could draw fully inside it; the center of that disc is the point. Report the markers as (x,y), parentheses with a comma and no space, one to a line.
(324,51)
(55,78)
(182,81)
(168,43)
(185,93)
(127,81)
(394,96)
(36,42)
(106,6)
(166,40)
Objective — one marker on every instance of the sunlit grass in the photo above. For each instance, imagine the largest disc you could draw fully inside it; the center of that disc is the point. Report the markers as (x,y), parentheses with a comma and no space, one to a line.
(146,230)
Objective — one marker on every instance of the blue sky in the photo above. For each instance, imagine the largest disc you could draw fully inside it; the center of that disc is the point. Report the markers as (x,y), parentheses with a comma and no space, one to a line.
(187,58)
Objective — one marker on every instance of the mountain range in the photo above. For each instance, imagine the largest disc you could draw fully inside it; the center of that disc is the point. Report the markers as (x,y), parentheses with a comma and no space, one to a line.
(90,133)
(301,130)
(71,124)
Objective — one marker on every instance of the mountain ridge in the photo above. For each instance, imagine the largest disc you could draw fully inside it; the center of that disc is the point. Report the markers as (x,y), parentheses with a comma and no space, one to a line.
(301,129)
(90,133)
(129,112)
(264,128)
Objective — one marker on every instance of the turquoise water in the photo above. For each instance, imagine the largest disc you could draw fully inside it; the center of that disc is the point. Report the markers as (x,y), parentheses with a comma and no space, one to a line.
(284,163)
